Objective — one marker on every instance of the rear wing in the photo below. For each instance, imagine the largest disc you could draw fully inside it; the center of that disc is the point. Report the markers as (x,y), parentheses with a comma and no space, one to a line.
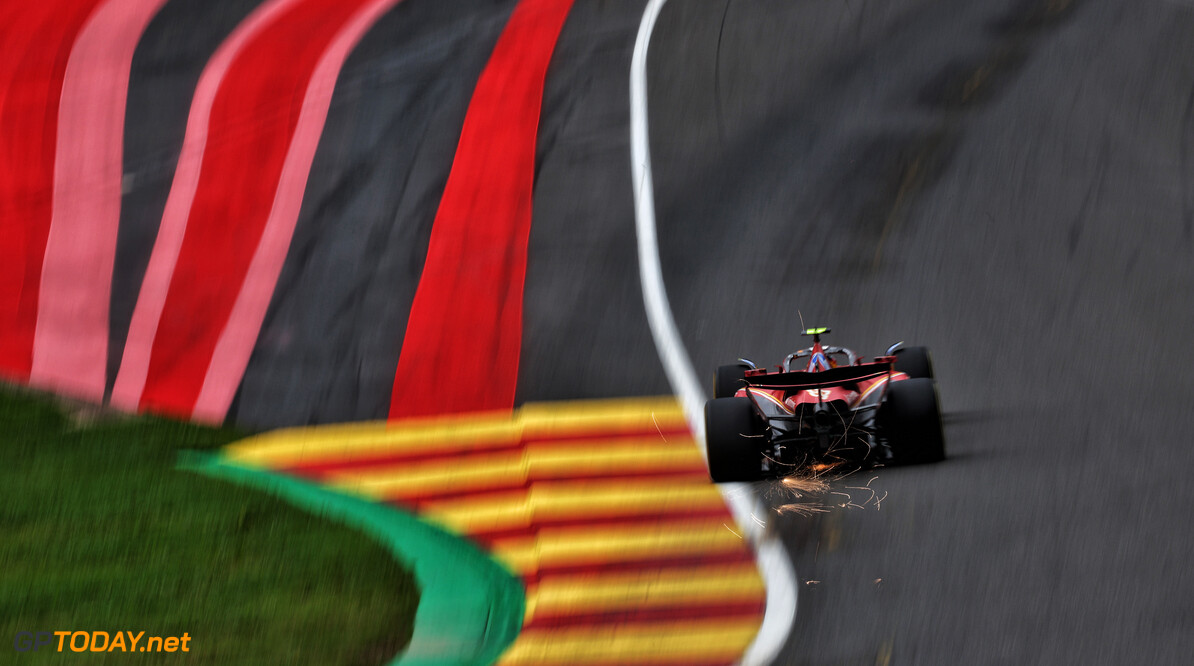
(850,374)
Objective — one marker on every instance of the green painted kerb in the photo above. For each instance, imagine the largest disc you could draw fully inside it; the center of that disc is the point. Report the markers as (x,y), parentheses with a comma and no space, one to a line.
(470,608)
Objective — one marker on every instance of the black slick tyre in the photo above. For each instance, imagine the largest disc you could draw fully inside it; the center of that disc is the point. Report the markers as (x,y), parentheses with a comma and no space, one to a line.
(734,440)
(728,379)
(910,419)
(916,362)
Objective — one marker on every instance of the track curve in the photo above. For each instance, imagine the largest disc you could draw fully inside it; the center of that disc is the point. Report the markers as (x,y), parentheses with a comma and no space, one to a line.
(1007,182)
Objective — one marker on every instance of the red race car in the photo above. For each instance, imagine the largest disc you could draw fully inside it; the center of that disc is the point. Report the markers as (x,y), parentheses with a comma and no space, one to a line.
(823,407)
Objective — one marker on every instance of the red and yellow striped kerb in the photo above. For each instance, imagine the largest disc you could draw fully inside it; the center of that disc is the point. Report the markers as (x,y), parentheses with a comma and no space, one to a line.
(603,508)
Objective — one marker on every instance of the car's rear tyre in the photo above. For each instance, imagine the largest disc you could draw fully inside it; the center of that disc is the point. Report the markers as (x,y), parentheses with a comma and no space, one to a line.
(910,420)
(728,379)
(916,362)
(734,439)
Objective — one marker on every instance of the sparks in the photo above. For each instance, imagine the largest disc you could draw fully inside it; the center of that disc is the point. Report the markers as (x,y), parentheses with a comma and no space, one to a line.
(657,428)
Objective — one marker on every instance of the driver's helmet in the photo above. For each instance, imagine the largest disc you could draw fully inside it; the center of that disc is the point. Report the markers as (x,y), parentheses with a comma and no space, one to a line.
(820,361)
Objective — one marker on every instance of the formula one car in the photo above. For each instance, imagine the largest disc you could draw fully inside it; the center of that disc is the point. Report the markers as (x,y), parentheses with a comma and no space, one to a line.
(823,408)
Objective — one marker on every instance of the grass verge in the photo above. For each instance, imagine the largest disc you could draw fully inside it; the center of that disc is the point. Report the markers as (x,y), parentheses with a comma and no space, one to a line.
(100,532)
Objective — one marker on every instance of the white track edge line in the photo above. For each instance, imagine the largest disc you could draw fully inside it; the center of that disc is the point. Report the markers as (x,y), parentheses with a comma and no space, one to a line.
(774,563)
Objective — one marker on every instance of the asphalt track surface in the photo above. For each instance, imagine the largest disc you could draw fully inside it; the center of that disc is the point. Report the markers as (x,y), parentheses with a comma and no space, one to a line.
(1008,184)
(1005,182)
